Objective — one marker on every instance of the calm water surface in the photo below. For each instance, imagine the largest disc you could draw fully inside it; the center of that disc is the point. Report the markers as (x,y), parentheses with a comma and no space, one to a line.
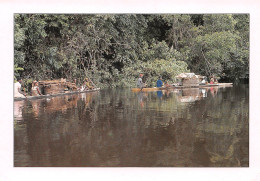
(115,128)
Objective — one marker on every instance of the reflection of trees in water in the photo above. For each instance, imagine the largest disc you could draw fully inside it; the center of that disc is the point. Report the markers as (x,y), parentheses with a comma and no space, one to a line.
(56,119)
(224,125)
(113,130)
(20,156)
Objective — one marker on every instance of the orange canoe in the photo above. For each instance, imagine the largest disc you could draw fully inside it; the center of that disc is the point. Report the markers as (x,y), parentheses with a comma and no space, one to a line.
(147,89)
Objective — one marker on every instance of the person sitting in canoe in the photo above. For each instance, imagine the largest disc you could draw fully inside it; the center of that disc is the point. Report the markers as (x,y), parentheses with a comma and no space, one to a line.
(203,82)
(140,83)
(216,81)
(35,89)
(88,84)
(159,82)
(83,87)
(167,85)
(18,89)
(212,80)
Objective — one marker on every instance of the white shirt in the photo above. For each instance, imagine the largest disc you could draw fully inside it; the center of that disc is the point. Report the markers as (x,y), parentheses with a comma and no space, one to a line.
(139,82)
(17,86)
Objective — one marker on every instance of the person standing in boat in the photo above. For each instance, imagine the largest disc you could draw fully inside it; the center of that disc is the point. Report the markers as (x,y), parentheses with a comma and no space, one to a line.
(159,82)
(140,83)
(18,88)
(35,89)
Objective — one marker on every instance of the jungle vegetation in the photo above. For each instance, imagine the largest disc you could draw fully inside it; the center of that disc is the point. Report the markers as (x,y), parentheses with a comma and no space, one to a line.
(112,49)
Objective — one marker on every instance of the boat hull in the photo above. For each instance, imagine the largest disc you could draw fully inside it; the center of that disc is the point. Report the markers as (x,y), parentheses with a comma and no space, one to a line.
(207,85)
(149,89)
(53,95)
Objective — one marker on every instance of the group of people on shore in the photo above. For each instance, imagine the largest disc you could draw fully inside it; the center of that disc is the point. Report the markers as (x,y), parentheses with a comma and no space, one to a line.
(35,89)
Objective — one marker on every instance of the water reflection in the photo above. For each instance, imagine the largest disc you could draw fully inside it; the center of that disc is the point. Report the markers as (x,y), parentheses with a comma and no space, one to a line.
(141,96)
(18,106)
(159,94)
(189,94)
(120,128)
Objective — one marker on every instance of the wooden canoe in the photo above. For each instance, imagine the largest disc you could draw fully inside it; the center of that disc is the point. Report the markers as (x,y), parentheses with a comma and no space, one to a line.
(53,95)
(207,85)
(149,89)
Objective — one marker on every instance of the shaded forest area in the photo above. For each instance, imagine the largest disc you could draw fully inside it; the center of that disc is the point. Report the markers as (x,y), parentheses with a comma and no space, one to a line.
(112,49)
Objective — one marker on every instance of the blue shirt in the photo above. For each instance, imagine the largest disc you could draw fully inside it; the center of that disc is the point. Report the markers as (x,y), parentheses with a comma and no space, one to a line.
(159,83)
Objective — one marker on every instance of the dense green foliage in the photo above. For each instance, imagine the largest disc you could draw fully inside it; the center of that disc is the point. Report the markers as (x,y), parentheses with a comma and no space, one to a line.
(113,49)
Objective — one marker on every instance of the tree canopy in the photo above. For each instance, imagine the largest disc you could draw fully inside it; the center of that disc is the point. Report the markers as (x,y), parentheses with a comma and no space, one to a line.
(112,49)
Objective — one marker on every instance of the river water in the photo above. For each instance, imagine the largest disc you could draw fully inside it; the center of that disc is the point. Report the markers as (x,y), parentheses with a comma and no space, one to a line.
(119,128)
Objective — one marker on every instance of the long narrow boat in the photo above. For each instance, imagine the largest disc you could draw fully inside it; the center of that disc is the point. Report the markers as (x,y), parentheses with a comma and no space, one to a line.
(54,95)
(148,89)
(207,85)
